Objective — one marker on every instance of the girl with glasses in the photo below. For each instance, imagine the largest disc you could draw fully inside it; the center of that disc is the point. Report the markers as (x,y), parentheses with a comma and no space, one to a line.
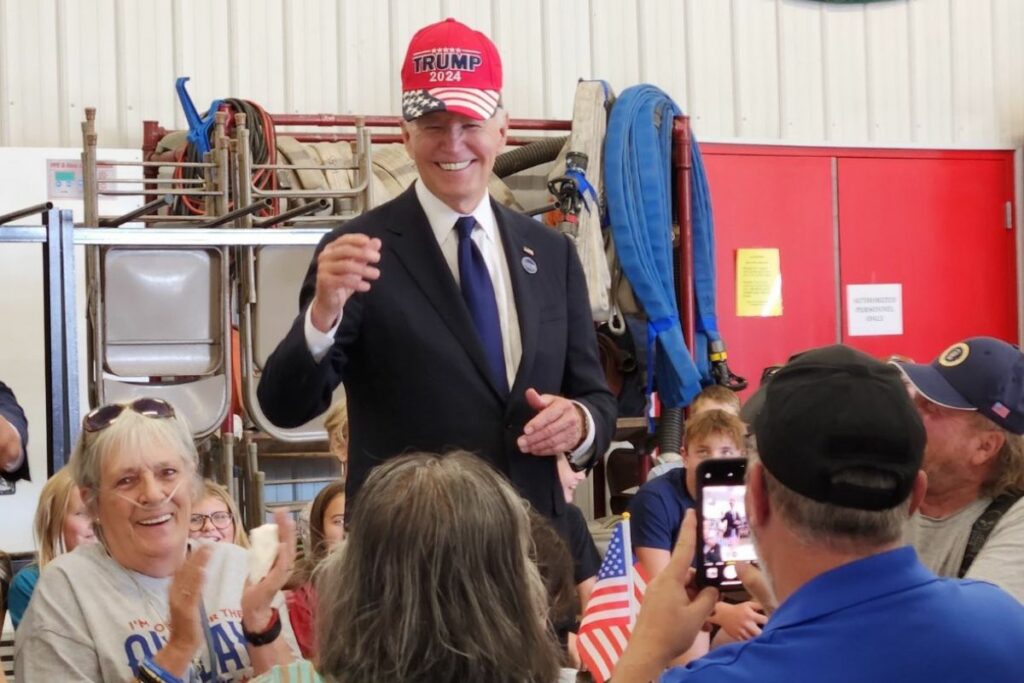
(215,517)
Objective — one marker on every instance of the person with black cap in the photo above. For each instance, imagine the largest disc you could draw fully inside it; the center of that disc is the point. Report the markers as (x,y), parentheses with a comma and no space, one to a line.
(840,448)
(971,521)
(453,321)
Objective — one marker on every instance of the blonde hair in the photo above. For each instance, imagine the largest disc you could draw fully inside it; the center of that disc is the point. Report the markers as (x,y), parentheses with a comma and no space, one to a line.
(712,423)
(212,489)
(52,510)
(716,393)
(336,420)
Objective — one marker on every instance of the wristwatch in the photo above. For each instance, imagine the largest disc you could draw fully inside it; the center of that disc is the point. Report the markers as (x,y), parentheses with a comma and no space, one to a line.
(580,462)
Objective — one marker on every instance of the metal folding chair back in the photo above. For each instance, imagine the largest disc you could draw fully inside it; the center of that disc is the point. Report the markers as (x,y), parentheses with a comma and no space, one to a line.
(275,275)
(161,329)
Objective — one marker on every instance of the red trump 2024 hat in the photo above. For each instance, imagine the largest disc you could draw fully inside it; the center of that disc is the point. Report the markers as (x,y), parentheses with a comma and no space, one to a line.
(451,67)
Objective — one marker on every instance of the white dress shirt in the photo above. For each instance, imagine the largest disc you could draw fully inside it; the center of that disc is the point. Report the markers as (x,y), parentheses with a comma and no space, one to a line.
(487,239)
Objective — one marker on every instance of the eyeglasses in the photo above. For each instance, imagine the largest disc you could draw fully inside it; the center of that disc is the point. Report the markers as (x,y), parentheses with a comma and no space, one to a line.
(220,520)
(100,418)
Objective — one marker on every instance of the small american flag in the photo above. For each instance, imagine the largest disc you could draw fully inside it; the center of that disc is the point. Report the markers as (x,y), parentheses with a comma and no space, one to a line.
(611,610)
(1000,410)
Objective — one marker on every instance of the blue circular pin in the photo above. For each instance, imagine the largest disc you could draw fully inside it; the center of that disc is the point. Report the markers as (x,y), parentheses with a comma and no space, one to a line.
(529,265)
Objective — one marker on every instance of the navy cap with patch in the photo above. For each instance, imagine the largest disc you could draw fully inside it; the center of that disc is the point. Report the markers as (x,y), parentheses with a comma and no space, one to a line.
(981,373)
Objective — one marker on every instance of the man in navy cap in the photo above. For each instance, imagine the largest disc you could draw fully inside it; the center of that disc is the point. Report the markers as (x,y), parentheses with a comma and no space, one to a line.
(971,521)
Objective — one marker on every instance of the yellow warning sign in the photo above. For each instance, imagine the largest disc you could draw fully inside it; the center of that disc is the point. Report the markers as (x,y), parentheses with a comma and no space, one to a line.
(758,283)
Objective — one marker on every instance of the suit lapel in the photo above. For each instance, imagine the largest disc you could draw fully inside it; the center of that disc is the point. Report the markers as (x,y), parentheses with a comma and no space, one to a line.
(524,292)
(415,246)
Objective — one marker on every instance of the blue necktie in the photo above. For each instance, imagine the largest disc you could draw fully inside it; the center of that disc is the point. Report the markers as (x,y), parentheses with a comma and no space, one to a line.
(478,293)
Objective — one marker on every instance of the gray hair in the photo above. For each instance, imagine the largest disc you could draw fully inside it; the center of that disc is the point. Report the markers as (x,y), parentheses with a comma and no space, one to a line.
(1007,473)
(840,529)
(435,581)
(131,431)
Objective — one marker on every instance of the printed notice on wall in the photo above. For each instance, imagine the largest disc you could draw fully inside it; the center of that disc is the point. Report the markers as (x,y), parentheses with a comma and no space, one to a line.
(64,179)
(758,283)
(874,310)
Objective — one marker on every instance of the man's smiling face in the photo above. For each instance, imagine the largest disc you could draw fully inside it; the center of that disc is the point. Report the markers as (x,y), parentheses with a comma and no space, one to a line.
(455,154)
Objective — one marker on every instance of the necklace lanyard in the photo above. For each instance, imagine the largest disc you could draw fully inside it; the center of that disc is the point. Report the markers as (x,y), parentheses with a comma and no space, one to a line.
(209,639)
(197,662)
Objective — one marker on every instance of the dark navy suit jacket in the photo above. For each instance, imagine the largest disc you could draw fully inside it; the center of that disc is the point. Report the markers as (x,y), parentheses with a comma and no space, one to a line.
(412,364)
(10,409)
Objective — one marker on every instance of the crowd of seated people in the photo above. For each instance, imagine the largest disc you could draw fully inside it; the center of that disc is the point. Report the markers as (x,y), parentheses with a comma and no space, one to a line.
(126,607)
(443,573)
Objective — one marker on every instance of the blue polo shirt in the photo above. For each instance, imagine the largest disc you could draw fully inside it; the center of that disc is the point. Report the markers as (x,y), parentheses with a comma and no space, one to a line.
(657,510)
(882,618)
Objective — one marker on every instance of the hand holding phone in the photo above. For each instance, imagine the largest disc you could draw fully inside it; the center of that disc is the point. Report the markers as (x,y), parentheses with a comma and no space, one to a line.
(725,537)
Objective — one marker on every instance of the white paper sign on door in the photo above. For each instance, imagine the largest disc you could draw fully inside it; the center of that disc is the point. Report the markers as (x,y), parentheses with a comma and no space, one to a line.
(874,310)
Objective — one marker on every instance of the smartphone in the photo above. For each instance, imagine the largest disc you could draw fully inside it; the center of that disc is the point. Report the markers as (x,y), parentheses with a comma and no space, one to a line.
(725,537)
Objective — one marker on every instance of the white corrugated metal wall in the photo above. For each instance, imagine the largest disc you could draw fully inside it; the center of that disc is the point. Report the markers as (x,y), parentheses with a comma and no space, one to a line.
(904,72)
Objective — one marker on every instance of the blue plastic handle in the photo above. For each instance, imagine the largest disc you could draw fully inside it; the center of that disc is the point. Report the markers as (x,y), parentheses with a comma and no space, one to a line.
(198,127)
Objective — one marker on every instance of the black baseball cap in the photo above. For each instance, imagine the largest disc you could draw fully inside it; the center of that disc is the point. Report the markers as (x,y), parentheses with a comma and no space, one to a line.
(981,374)
(833,409)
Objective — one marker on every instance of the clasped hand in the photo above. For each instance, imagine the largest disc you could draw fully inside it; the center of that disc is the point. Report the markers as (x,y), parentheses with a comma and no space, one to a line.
(558,427)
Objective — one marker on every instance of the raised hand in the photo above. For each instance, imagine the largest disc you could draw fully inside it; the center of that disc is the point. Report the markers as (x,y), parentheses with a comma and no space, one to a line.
(256,597)
(10,444)
(669,619)
(344,267)
(183,597)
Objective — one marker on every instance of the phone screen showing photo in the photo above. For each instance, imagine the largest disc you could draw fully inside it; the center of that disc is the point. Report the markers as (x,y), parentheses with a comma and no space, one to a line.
(726,532)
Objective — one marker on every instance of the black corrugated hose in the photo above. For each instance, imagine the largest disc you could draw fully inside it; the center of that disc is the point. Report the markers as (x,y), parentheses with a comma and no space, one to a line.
(528,156)
(670,431)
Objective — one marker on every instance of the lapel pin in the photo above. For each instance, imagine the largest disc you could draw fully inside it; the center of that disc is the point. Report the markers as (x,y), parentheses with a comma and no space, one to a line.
(528,251)
(529,265)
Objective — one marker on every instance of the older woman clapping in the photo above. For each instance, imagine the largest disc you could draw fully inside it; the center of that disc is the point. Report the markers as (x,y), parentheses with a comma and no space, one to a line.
(127,607)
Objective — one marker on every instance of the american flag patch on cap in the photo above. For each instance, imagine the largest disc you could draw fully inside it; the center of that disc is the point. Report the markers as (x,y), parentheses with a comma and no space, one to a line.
(1000,410)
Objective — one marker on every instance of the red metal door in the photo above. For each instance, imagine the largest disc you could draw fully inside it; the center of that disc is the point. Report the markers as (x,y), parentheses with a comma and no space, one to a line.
(765,197)
(934,222)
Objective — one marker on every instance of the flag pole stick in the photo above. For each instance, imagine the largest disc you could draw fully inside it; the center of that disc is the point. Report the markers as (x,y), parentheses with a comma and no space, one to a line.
(627,556)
